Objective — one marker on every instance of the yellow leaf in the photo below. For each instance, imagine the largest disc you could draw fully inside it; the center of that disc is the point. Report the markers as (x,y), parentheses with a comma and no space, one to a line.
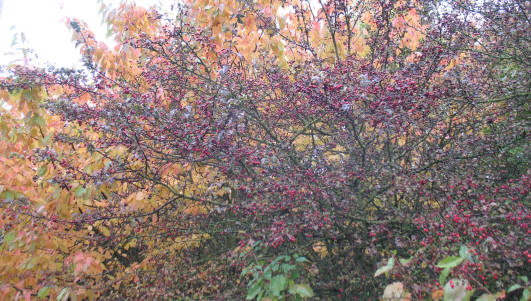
(105,231)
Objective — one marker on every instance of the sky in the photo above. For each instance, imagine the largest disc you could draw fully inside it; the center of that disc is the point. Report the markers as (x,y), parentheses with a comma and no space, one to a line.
(43,25)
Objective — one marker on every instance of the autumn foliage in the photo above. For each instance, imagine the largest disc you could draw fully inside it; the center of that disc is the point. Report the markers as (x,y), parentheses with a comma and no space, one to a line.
(274,150)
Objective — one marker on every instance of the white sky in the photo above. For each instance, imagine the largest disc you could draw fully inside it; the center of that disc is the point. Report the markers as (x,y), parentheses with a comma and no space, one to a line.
(43,23)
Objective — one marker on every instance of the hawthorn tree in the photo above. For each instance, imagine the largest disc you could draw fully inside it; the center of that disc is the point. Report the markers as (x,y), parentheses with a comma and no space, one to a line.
(274,150)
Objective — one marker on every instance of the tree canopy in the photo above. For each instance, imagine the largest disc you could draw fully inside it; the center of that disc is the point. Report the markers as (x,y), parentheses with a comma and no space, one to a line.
(274,150)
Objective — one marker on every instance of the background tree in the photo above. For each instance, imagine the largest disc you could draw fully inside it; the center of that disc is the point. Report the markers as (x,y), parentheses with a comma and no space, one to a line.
(256,149)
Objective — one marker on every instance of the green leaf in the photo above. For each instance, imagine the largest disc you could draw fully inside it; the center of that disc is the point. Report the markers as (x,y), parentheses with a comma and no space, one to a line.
(282,257)
(464,252)
(386,268)
(278,284)
(79,191)
(287,267)
(291,284)
(14,40)
(245,271)
(43,292)
(295,275)
(450,262)
(444,275)
(8,195)
(514,287)
(268,274)
(303,290)
(525,295)
(256,276)
(301,259)
(487,297)
(404,261)
(274,267)
(38,120)
(42,171)
(10,236)
(260,295)
(254,290)
(27,95)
